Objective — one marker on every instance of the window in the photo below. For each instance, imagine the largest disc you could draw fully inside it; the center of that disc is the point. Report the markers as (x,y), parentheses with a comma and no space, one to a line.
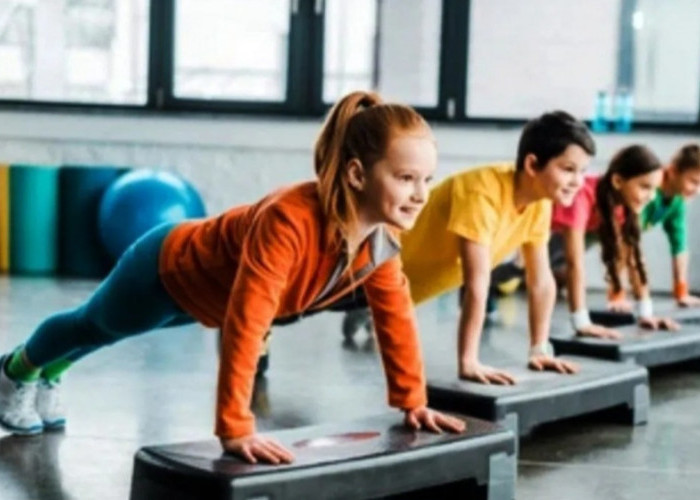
(392,46)
(666,60)
(523,64)
(80,51)
(454,60)
(232,50)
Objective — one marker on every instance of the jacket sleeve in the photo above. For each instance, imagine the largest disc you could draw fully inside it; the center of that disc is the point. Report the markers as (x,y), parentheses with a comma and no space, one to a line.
(269,251)
(395,325)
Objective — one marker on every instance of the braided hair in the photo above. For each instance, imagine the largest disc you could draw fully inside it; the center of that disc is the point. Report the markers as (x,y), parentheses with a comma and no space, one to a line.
(630,162)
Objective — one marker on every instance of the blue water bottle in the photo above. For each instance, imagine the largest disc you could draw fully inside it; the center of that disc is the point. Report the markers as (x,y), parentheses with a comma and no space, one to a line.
(624,110)
(599,123)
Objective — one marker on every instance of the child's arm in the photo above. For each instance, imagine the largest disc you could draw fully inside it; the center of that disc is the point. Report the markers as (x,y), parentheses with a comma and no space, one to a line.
(645,313)
(541,295)
(617,301)
(675,225)
(575,247)
(680,281)
(270,250)
(396,330)
(389,298)
(476,271)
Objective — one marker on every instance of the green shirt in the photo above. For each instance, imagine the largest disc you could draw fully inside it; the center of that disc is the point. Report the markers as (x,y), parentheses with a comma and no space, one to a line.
(670,212)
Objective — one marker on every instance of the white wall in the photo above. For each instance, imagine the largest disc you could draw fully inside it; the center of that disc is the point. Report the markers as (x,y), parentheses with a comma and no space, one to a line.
(233,160)
(667,56)
(554,53)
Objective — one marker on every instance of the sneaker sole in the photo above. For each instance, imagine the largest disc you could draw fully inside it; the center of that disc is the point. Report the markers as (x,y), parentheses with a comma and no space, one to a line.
(56,425)
(22,431)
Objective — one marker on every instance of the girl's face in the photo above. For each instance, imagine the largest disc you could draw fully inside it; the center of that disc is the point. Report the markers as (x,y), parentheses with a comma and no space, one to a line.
(686,183)
(637,191)
(562,177)
(395,189)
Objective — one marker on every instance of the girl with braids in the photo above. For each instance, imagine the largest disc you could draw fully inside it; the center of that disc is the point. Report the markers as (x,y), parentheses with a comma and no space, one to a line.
(680,182)
(296,250)
(607,209)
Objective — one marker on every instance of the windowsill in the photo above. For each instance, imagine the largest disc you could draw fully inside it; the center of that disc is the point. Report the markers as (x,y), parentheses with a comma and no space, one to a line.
(200,129)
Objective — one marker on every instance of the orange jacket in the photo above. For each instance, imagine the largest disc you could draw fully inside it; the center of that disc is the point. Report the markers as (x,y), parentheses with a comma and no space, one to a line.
(243,269)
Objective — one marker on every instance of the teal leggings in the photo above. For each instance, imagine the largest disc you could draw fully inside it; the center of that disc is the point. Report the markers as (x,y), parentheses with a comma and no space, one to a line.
(130,301)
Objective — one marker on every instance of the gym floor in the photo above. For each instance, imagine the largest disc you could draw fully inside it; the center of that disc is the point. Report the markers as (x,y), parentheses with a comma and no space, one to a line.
(159,388)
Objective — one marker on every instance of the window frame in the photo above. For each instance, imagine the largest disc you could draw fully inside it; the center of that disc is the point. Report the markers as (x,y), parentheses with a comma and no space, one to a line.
(304,96)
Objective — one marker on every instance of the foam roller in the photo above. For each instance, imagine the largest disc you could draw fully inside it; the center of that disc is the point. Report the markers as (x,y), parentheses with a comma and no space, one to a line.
(33,219)
(80,253)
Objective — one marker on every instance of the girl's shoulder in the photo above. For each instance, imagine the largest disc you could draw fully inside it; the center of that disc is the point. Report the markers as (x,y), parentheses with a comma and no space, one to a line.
(297,200)
(295,208)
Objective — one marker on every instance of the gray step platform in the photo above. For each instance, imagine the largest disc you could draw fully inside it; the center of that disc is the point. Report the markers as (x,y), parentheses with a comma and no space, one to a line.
(541,397)
(374,457)
(644,347)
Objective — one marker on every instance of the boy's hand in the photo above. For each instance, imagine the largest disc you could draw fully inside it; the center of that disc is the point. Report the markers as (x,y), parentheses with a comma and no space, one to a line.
(542,362)
(256,448)
(431,420)
(485,374)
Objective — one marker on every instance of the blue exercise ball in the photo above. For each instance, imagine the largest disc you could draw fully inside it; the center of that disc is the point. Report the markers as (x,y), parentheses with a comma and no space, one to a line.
(141,200)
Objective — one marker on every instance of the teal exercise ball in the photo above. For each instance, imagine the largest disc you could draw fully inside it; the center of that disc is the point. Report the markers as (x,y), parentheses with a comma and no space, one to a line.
(141,200)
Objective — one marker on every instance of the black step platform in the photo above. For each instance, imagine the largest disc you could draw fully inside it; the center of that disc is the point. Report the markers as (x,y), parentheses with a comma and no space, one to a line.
(644,347)
(375,457)
(541,397)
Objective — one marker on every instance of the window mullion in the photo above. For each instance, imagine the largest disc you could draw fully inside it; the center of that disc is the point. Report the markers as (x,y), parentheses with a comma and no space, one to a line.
(160,60)
(453,59)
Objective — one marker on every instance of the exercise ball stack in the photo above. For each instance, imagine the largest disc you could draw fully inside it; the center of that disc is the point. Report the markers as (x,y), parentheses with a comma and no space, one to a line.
(33,219)
(141,200)
(80,252)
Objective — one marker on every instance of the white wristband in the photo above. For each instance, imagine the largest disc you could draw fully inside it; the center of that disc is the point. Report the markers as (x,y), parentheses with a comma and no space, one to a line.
(543,349)
(645,309)
(580,319)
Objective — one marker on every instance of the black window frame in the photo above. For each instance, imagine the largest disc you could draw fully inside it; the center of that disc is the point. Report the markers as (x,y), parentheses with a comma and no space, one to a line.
(305,74)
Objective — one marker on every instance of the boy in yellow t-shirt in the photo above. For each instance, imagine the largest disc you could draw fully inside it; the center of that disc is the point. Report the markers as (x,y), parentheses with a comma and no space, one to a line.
(476,205)
(476,218)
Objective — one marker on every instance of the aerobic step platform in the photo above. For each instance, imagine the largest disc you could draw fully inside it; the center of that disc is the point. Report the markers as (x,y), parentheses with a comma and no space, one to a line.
(374,457)
(541,397)
(644,347)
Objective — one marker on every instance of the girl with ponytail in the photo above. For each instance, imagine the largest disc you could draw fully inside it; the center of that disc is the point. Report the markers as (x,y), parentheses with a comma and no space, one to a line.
(294,252)
(607,209)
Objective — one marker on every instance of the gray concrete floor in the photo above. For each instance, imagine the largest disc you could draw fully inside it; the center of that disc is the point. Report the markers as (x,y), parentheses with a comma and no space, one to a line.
(159,388)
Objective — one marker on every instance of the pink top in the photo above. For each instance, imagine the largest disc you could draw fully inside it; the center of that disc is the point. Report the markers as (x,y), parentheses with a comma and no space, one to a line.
(582,213)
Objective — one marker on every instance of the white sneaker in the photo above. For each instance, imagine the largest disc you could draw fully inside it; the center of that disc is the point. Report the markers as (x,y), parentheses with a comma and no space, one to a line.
(354,320)
(49,406)
(17,399)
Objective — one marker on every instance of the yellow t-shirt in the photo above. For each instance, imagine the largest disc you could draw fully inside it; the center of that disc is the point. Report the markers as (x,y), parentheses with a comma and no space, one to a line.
(477,205)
